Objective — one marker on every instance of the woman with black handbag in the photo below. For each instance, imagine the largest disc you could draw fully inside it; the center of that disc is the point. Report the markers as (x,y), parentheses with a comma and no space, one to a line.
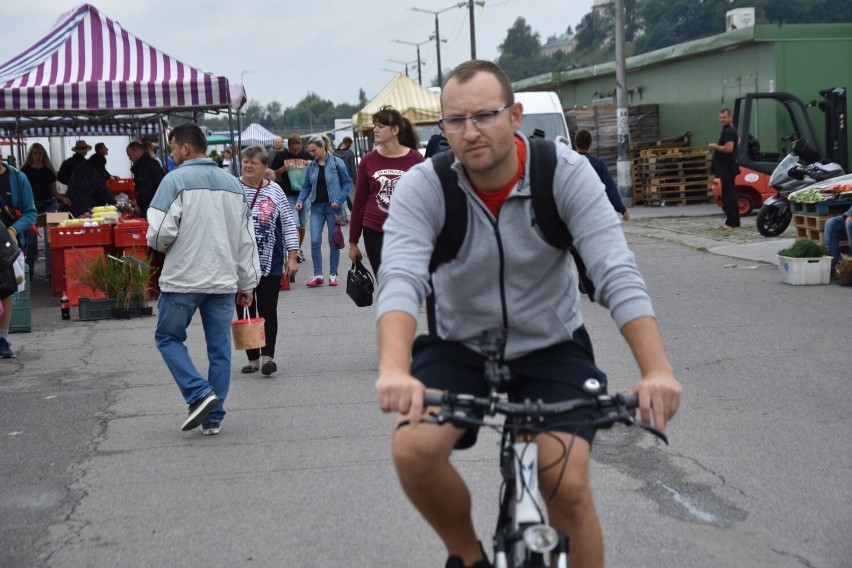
(18,213)
(379,171)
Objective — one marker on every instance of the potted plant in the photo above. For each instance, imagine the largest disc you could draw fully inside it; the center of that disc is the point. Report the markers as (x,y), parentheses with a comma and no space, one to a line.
(123,281)
(806,262)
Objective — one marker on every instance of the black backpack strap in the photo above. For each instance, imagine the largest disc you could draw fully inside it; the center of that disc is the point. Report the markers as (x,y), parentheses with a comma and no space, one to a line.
(455,226)
(551,225)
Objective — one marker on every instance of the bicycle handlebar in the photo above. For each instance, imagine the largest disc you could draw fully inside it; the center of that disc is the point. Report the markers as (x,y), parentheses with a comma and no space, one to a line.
(609,409)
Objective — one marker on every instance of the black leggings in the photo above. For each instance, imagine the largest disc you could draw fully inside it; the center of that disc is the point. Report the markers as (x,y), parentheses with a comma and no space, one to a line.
(265,305)
(373,247)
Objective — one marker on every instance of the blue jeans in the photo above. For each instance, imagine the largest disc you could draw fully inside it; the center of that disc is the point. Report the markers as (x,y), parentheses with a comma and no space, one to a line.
(836,229)
(300,217)
(323,214)
(175,315)
(32,243)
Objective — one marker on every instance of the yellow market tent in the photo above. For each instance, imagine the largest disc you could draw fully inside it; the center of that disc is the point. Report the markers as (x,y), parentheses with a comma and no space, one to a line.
(416,103)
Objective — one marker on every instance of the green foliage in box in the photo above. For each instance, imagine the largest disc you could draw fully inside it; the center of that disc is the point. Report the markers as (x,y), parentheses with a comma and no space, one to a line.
(122,279)
(804,248)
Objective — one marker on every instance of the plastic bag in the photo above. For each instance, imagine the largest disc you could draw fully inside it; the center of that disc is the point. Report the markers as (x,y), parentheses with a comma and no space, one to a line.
(337,240)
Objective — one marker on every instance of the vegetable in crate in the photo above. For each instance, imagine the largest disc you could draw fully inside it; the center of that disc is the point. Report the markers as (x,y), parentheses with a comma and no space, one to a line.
(804,248)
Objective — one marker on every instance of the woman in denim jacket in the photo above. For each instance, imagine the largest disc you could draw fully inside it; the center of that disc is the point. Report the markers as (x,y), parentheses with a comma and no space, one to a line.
(326,187)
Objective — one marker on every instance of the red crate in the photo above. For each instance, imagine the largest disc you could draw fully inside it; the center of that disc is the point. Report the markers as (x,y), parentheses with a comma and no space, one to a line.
(130,234)
(74,257)
(124,185)
(77,236)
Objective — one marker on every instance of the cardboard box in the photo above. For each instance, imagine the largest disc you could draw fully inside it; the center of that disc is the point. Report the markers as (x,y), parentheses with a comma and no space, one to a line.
(52,219)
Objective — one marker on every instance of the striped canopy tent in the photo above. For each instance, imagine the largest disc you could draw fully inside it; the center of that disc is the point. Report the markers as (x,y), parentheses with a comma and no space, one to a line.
(131,125)
(415,102)
(256,134)
(89,65)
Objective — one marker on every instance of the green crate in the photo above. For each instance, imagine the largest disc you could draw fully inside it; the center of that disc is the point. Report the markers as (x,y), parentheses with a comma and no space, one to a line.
(21,312)
(96,309)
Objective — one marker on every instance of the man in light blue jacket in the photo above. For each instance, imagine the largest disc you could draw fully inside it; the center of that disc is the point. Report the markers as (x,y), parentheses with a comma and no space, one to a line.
(200,219)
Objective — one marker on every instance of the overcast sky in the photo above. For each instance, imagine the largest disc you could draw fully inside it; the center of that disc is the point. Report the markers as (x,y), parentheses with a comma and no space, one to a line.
(285,49)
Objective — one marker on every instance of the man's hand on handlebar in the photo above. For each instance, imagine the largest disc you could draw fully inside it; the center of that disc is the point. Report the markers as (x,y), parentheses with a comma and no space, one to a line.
(659,398)
(402,393)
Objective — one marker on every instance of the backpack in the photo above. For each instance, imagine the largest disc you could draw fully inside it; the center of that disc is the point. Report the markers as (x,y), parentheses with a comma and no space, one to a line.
(546,215)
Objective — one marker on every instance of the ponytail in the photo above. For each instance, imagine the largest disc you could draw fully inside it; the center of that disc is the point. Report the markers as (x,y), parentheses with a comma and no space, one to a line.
(408,135)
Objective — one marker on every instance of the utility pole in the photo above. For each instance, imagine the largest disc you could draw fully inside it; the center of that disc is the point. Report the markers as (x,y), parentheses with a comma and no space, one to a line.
(470,6)
(419,62)
(623,165)
(472,31)
(438,32)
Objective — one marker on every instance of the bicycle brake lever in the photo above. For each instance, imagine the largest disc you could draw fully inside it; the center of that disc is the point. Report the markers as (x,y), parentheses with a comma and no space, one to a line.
(652,430)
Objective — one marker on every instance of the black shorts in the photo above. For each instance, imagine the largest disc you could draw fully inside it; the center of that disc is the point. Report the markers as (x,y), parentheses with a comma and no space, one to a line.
(552,374)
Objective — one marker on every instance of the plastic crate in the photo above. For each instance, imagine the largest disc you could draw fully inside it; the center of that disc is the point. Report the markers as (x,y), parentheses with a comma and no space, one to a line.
(73,257)
(125,185)
(21,310)
(805,271)
(90,309)
(121,184)
(130,234)
(76,236)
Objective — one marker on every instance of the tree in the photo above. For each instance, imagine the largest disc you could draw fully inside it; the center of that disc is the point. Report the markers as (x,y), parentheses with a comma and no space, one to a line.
(253,113)
(520,52)
(668,22)
(593,31)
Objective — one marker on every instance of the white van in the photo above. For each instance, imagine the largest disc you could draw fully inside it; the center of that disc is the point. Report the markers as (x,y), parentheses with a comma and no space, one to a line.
(542,111)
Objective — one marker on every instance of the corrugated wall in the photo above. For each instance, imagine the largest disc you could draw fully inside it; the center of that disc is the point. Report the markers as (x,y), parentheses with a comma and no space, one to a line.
(691,82)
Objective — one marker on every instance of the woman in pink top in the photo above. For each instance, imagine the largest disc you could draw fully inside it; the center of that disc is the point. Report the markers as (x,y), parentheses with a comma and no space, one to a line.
(378,173)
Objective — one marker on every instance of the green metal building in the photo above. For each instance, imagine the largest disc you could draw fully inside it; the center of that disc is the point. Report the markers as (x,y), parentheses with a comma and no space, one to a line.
(690,82)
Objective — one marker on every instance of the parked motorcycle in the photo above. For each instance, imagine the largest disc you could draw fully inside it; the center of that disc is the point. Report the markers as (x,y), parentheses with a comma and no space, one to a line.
(775,215)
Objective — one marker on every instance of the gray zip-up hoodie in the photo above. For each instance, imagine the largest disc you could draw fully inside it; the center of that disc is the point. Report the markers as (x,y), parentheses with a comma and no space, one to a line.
(199,217)
(505,274)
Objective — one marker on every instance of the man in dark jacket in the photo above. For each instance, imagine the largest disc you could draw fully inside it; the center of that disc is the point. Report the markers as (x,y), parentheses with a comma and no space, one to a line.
(583,143)
(147,175)
(67,168)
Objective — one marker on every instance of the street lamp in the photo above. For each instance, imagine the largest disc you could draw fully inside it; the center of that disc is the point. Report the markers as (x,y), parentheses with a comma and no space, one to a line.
(419,74)
(406,64)
(243,74)
(438,32)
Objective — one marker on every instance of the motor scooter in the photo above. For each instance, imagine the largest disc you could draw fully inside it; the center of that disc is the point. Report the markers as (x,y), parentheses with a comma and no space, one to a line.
(775,215)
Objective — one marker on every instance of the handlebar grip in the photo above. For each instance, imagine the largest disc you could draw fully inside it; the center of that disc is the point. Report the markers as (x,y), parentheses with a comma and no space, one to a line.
(631,400)
(433,398)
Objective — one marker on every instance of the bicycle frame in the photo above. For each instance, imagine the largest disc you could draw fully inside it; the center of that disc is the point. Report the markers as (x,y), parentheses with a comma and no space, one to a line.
(523,514)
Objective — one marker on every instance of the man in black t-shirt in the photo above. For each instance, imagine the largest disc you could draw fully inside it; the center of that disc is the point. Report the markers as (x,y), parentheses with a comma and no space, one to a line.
(726,169)
(290,166)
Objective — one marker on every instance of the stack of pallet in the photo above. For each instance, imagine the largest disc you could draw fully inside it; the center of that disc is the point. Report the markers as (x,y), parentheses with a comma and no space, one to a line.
(600,120)
(672,176)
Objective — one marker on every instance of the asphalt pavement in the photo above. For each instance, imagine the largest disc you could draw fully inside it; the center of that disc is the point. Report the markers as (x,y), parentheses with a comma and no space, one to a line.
(96,472)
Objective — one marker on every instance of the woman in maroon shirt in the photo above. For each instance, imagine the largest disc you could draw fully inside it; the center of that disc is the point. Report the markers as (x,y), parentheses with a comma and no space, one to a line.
(378,173)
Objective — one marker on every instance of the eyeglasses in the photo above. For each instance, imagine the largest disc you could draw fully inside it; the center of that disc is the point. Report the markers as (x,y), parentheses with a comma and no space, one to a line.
(481,120)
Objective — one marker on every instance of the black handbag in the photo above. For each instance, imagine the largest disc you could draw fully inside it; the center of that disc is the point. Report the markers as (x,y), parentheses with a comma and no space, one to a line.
(360,285)
(9,249)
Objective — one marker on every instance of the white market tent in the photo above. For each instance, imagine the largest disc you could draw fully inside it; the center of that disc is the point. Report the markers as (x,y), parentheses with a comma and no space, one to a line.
(256,134)
(415,102)
(89,74)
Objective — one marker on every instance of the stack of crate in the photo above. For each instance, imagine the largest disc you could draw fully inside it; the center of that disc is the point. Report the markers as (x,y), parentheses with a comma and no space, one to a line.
(21,310)
(672,176)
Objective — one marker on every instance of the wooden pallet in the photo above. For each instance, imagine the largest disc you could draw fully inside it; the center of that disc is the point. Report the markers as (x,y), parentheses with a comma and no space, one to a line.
(672,174)
(810,226)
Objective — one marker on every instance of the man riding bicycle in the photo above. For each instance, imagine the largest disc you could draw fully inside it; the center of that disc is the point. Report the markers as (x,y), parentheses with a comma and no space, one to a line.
(505,279)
